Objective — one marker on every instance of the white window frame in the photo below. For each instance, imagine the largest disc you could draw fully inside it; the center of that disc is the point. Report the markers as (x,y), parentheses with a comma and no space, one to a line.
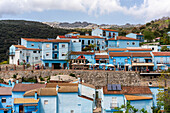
(47,54)
(45,102)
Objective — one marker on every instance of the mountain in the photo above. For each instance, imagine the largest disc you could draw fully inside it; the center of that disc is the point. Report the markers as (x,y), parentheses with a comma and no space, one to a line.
(11,31)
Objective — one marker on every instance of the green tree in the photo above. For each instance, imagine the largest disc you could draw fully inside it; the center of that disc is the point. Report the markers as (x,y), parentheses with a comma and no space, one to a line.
(148,35)
(164,48)
(92,46)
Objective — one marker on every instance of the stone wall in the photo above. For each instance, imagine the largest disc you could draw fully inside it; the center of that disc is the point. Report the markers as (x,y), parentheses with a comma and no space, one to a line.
(97,78)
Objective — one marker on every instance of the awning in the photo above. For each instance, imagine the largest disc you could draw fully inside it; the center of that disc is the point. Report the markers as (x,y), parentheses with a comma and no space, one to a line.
(102,64)
(142,64)
(96,64)
(161,65)
(127,64)
(25,100)
(110,65)
(89,64)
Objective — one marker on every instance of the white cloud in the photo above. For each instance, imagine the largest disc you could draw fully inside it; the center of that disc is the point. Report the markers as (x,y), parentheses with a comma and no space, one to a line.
(150,9)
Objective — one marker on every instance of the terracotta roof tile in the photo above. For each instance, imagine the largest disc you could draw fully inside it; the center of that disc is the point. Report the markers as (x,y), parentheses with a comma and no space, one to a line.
(25,100)
(161,53)
(72,37)
(129,90)
(19,46)
(57,40)
(42,92)
(119,54)
(102,56)
(34,39)
(125,38)
(91,37)
(139,49)
(64,87)
(108,30)
(5,90)
(27,87)
(133,97)
(82,53)
(117,49)
(141,54)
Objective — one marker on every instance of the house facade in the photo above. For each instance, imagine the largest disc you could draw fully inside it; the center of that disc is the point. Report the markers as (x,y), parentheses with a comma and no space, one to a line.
(138,36)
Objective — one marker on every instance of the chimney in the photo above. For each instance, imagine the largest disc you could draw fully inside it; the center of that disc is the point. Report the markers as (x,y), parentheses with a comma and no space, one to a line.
(57,88)
(35,95)
(9,82)
(17,81)
(13,84)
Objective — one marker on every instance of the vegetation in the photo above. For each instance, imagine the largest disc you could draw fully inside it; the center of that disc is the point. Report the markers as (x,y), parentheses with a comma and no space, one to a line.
(13,30)
(73,75)
(30,79)
(164,48)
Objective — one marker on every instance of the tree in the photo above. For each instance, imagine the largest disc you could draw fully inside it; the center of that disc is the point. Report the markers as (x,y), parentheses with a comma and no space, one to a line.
(164,48)
(148,35)
(92,46)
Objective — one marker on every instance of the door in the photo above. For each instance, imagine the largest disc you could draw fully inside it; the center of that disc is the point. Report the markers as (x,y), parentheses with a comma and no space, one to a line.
(27,58)
(21,109)
(55,56)
(56,65)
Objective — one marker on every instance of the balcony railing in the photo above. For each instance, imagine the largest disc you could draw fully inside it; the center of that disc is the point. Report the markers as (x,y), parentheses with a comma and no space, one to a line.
(12,53)
(114,105)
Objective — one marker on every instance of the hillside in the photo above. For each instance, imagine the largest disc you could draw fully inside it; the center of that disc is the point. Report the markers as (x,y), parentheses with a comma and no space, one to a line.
(12,30)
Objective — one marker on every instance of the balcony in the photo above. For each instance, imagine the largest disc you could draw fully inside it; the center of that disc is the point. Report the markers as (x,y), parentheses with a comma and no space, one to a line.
(55,58)
(114,105)
(12,54)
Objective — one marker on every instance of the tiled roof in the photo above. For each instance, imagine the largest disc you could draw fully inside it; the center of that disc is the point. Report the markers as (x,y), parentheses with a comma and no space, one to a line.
(91,37)
(57,40)
(64,87)
(161,53)
(101,56)
(119,54)
(139,49)
(82,53)
(125,38)
(68,37)
(129,90)
(141,54)
(117,49)
(25,100)
(88,85)
(5,90)
(42,92)
(122,38)
(19,46)
(27,87)
(82,96)
(34,39)
(138,33)
(108,30)
(132,97)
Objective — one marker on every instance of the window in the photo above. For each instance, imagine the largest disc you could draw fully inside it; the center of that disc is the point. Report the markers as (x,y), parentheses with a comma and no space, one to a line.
(127,43)
(47,54)
(81,56)
(20,51)
(102,47)
(3,100)
(88,41)
(126,60)
(32,44)
(133,43)
(114,60)
(46,64)
(109,33)
(47,45)
(36,58)
(74,41)
(82,41)
(113,34)
(72,111)
(63,54)
(34,51)
(55,47)
(39,51)
(45,101)
(79,40)
(63,45)
(104,33)
(153,48)
(92,41)
(114,102)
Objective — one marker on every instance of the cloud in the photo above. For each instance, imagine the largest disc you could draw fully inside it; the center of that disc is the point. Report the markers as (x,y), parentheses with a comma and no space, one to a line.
(148,10)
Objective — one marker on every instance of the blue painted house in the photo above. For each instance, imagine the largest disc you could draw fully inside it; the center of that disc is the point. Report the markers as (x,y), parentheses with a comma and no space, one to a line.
(97,40)
(55,53)
(161,60)
(122,42)
(113,97)
(138,36)
(5,99)
(106,33)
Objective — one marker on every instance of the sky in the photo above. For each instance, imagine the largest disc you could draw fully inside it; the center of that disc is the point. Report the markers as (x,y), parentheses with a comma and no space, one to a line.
(95,11)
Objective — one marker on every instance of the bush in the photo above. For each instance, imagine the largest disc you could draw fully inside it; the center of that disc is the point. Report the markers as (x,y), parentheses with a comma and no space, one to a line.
(14,76)
(73,75)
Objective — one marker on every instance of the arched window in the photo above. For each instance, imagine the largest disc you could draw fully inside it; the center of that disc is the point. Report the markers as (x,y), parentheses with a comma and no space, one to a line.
(133,43)
(109,33)
(113,34)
